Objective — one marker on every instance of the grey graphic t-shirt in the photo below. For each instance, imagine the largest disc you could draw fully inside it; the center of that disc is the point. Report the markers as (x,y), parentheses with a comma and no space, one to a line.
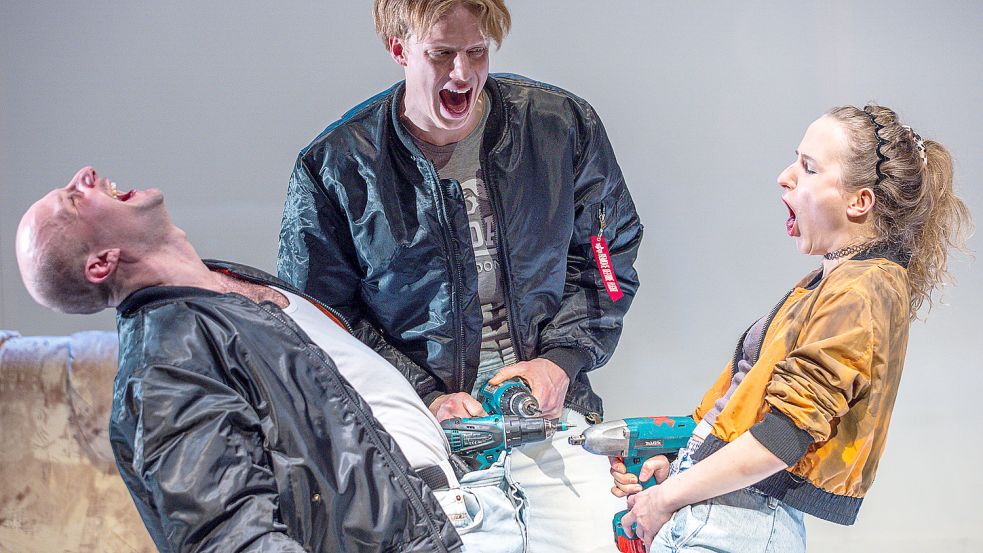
(461,161)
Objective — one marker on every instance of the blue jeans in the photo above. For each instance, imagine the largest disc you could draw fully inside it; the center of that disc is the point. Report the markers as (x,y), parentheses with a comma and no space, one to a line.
(491,508)
(741,521)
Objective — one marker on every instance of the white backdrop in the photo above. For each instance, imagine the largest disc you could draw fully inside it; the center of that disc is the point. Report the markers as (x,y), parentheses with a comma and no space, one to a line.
(703,101)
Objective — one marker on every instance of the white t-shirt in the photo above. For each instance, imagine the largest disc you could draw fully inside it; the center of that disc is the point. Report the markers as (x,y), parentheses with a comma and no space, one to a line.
(393,401)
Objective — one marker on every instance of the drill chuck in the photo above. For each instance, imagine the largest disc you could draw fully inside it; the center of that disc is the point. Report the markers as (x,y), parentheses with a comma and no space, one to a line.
(520,430)
(511,397)
(524,405)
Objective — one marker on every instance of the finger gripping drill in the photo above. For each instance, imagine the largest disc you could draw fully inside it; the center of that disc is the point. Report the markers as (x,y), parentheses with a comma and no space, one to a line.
(635,440)
(485,438)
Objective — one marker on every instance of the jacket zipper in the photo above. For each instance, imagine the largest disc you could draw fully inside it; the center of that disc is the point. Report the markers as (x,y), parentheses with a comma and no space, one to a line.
(301,293)
(771,317)
(503,260)
(456,270)
(415,499)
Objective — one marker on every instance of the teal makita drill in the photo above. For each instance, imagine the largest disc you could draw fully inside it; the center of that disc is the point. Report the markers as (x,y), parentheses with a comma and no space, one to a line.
(635,440)
(485,438)
(514,419)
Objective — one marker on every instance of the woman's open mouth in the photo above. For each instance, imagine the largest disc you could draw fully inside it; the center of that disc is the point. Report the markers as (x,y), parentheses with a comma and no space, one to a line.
(455,102)
(790,226)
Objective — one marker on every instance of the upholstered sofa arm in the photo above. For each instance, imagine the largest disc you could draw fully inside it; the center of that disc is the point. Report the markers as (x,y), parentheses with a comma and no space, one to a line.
(59,488)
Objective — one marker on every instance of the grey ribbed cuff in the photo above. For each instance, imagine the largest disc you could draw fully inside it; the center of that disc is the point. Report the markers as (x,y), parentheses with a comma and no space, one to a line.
(778,433)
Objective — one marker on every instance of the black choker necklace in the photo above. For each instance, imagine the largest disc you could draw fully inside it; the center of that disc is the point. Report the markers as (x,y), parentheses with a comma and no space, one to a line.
(843,252)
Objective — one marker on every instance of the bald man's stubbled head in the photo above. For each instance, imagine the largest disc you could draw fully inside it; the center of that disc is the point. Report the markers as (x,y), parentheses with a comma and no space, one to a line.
(51,255)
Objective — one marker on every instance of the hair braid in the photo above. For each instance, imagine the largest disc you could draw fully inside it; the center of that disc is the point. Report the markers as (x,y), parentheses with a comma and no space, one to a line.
(916,209)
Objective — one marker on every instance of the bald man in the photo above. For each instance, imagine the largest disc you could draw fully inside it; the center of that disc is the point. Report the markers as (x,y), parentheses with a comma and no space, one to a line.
(239,421)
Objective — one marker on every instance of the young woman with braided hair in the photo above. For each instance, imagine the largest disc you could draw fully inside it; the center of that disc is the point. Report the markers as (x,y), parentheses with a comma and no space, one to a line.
(797,421)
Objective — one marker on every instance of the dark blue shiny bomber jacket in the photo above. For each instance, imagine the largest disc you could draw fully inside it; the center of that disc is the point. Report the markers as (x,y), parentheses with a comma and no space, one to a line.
(234,432)
(371,229)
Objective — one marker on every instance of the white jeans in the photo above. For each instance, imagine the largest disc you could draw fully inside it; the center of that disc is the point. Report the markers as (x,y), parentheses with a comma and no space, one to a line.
(569,492)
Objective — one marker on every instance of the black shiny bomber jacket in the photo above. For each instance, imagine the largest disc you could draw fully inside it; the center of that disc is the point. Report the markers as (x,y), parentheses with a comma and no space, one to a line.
(234,432)
(370,228)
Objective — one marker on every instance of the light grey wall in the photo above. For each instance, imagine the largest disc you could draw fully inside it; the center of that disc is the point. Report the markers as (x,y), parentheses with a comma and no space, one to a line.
(704,102)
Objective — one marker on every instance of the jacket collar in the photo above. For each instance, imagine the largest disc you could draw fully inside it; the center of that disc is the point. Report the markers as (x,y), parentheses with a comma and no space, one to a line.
(881,250)
(493,126)
(885,250)
(152,294)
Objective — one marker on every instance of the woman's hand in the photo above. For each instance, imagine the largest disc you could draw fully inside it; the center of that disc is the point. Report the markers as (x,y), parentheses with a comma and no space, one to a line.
(647,515)
(734,466)
(626,484)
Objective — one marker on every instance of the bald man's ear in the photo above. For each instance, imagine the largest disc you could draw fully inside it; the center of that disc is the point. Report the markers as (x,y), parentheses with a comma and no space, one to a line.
(100,266)
(861,204)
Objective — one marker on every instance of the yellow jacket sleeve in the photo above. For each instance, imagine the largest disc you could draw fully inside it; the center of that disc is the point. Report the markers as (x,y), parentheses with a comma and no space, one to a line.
(829,366)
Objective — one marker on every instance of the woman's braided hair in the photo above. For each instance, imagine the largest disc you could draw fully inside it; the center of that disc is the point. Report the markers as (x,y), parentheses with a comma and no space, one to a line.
(916,210)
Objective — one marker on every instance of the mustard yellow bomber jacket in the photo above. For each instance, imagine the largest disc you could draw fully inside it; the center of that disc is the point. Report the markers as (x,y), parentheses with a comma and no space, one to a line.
(820,393)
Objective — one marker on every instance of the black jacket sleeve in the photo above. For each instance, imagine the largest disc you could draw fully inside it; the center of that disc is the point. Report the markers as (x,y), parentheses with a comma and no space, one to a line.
(314,227)
(199,455)
(584,332)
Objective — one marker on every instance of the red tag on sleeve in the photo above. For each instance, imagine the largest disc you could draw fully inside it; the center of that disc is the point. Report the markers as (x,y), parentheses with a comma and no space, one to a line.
(600,247)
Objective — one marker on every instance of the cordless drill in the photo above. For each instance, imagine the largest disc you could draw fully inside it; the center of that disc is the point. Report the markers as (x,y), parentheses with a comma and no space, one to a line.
(485,438)
(635,441)
(512,397)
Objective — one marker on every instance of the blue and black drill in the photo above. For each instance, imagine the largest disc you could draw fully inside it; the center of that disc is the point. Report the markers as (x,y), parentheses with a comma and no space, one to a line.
(514,419)
(635,441)
(485,438)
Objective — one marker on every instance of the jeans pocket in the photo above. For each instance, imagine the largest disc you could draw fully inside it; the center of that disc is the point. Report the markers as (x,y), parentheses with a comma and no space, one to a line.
(689,521)
(496,507)
(475,510)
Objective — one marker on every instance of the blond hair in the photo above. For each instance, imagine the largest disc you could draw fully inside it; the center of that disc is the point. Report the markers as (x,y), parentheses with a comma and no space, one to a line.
(402,18)
(916,209)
